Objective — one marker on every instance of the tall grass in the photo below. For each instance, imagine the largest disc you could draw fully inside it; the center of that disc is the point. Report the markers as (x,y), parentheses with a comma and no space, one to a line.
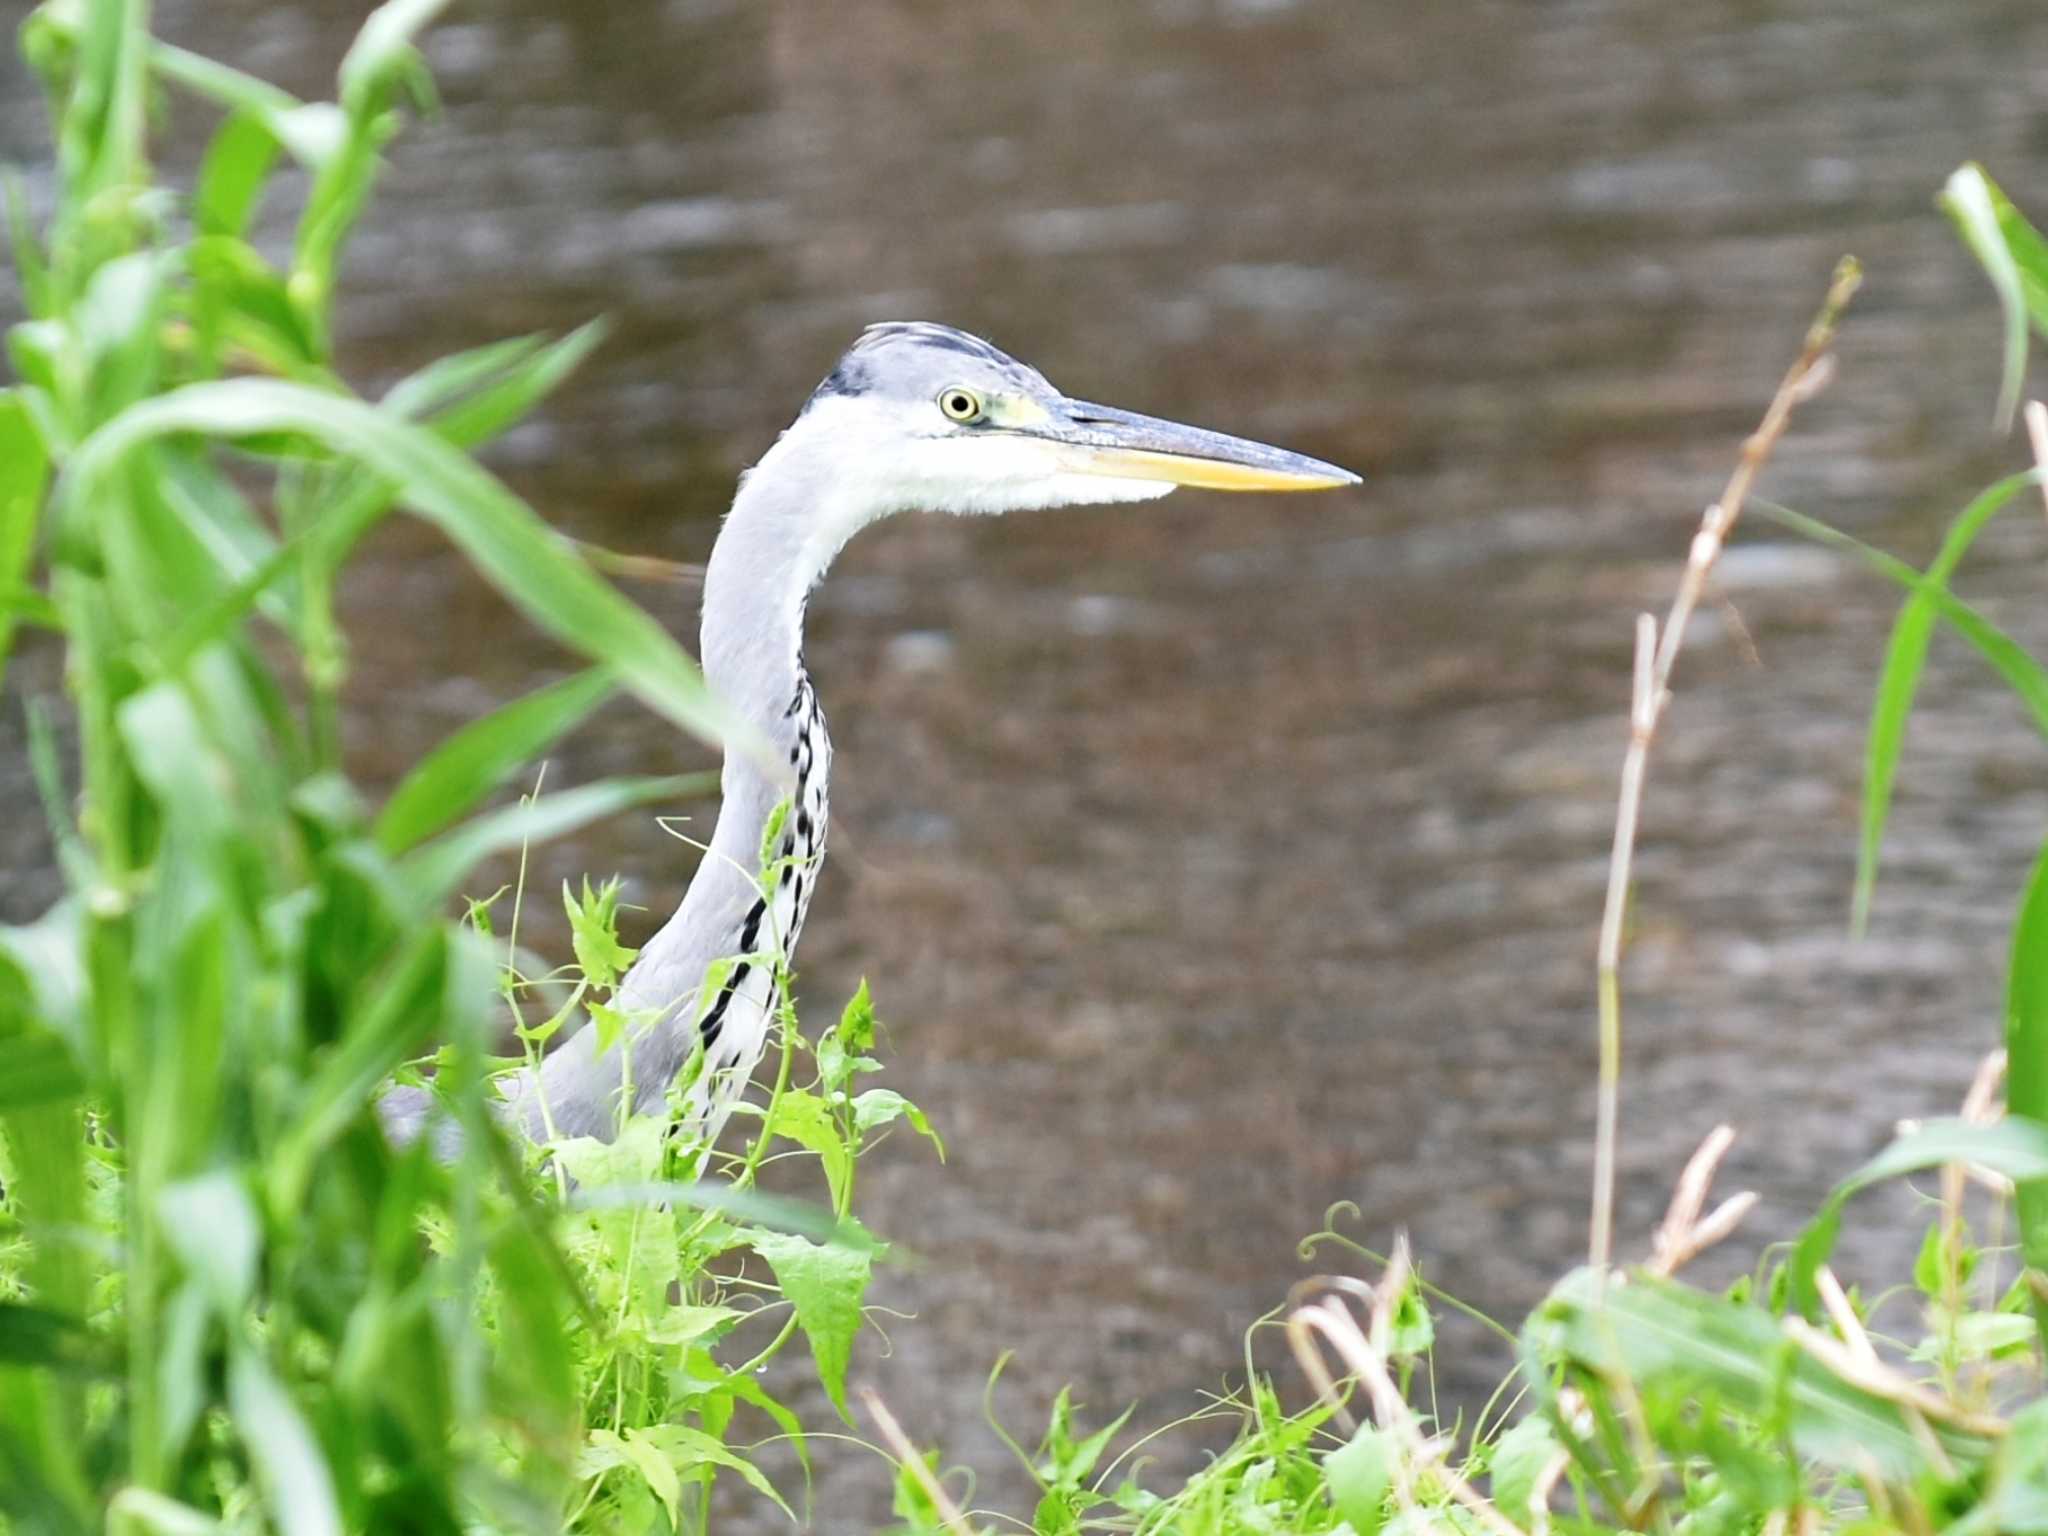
(225,1301)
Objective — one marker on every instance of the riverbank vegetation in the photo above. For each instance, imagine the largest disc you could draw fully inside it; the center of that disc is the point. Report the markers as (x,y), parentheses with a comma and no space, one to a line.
(227,1303)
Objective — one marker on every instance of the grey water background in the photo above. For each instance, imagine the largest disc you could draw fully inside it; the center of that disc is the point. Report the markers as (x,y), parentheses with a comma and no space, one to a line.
(1220,860)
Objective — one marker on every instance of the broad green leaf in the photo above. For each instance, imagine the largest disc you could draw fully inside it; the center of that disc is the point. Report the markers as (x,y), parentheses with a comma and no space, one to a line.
(291,1467)
(652,1463)
(2017,1148)
(807,1120)
(2026,1047)
(1676,1345)
(524,558)
(689,1451)
(456,775)
(1359,1474)
(1519,1459)
(1971,202)
(825,1285)
(436,869)
(24,471)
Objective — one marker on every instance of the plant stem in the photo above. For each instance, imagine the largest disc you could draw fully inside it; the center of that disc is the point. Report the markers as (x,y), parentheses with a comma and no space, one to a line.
(1656,656)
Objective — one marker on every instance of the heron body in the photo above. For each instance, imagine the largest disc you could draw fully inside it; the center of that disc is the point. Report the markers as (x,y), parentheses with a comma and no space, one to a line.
(915,416)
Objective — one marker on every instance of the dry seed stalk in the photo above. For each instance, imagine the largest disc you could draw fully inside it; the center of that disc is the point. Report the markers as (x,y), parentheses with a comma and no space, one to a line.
(1363,1351)
(912,1462)
(1655,658)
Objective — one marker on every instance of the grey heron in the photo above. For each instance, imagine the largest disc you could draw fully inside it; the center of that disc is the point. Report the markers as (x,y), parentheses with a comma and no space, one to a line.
(914,416)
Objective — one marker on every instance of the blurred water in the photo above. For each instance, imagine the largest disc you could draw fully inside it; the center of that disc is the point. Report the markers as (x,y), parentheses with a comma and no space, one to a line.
(1218,861)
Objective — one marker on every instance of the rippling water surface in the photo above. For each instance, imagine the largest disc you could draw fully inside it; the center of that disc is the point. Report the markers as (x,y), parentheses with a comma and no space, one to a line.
(1221,860)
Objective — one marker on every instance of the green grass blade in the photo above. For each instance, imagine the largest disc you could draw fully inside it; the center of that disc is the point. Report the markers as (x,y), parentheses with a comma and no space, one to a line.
(387,1029)
(437,869)
(2026,1045)
(232,176)
(520,554)
(507,399)
(483,755)
(289,1461)
(1906,655)
(449,378)
(2015,1147)
(24,471)
(1971,202)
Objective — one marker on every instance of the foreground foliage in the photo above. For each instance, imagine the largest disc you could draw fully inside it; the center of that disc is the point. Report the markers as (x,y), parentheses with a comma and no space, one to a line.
(226,1303)
(225,1300)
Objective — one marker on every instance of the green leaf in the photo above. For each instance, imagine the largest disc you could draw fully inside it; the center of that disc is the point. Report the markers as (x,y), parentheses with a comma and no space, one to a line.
(594,933)
(825,1285)
(232,175)
(807,1120)
(393,1016)
(210,1223)
(2015,1147)
(1678,1346)
(1359,1473)
(298,1487)
(456,775)
(439,867)
(24,471)
(1519,1459)
(1971,202)
(138,1509)
(882,1106)
(1906,653)
(2026,1046)
(512,547)
(53,1340)
(690,1452)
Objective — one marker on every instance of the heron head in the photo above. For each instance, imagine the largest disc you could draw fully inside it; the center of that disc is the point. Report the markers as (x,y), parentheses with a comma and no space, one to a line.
(928,417)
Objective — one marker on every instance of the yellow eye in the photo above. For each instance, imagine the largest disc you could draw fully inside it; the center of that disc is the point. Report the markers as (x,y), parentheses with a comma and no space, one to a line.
(960,404)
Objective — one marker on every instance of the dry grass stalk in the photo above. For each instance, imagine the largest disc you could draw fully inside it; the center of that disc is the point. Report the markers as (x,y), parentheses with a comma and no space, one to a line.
(1683,1235)
(1364,1354)
(1980,1107)
(1843,1315)
(1656,655)
(908,1456)
(1880,1380)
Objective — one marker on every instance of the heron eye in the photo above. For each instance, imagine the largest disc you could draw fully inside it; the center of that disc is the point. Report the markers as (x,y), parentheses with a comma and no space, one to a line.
(960,404)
